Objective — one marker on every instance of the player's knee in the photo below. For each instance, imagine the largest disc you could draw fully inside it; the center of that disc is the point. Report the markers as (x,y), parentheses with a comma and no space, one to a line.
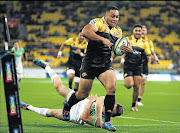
(111,90)
(128,86)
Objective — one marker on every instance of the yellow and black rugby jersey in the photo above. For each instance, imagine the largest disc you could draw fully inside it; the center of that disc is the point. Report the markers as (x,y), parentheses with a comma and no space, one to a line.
(75,43)
(150,43)
(151,47)
(140,50)
(98,54)
(139,43)
(74,58)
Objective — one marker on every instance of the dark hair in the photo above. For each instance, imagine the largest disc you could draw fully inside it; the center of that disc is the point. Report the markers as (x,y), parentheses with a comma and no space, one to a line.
(15,42)
(111,8)
(137,25)
(119,110)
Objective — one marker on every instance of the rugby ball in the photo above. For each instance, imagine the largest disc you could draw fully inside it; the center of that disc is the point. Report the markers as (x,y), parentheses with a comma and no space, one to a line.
(117,46)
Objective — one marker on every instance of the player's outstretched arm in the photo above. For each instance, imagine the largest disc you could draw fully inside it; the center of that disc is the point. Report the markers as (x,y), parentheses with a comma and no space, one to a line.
(60,50)
(86,114)
(99,109)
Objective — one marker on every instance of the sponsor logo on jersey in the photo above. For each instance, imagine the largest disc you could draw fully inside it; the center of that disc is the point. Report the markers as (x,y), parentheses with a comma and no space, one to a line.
(93,22)
(84,74)
(116,33)
(125,75)
(12,105)
(136,52)
(9,77)
(105,30)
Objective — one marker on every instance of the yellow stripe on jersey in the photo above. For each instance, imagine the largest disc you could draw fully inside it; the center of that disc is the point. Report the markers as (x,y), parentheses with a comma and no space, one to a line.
(101,26)
(139,43)
(75,43)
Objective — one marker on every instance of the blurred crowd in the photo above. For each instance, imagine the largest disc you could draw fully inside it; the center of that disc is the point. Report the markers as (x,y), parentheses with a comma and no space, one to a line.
(163,16)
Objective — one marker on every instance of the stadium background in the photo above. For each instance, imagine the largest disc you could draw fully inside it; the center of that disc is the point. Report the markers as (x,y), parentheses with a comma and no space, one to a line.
(42,26)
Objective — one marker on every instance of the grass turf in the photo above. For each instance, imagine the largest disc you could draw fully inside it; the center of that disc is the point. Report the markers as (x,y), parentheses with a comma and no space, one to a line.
(160,113)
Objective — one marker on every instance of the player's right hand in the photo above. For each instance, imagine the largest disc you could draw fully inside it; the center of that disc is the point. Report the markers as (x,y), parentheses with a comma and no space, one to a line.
(107,42)
(58,57)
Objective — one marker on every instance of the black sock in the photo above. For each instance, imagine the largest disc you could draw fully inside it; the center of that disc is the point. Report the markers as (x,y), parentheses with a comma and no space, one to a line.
(109,102)
(139,99)
(72,100)
(70,83)
(133,104)
(75,89)
(19,80)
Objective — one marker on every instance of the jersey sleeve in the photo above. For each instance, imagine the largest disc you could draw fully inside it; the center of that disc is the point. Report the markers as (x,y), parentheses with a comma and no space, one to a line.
(96,23)
(69,41)
(147,49)
(151,46)
(23,51)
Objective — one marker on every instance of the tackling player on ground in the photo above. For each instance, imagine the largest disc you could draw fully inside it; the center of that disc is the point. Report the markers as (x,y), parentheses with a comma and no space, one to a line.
(90,111)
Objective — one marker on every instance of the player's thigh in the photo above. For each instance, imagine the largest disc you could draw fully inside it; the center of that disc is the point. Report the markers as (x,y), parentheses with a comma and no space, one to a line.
(85,86)
(137,81)
(108,79)
(128,81)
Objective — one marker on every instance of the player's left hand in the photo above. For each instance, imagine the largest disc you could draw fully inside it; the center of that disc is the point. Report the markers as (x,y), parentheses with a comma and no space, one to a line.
(158,61)
(26,63)
(125,48)
(78,51)
(93,98)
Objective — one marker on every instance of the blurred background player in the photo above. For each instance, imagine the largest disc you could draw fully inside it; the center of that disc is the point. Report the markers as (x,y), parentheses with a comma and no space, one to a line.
(77,50)
(133,63)
(18,52)
(89,111)
(101,32)
(145,69)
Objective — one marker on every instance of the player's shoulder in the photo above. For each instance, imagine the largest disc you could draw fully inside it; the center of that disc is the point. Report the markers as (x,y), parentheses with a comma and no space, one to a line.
(69,39)
(96,20)
(130,37)
(21,48)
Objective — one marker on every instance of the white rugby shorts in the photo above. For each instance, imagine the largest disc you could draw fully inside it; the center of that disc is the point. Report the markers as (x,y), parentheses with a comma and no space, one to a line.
(77,110)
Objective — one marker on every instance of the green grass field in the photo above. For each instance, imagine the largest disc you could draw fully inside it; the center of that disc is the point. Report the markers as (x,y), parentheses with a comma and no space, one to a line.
(160,113)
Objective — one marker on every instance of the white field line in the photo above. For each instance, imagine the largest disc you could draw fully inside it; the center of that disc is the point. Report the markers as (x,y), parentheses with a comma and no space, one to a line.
(149,119)
(143,125)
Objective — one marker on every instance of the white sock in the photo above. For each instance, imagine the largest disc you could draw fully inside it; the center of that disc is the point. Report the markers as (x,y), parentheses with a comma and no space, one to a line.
(51,73)
(41,111)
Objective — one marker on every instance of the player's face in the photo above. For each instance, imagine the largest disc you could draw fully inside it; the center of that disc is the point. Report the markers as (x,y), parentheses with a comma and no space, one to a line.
(112,17)
(137,32)
(144,32)
(81,38)
(16,45)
